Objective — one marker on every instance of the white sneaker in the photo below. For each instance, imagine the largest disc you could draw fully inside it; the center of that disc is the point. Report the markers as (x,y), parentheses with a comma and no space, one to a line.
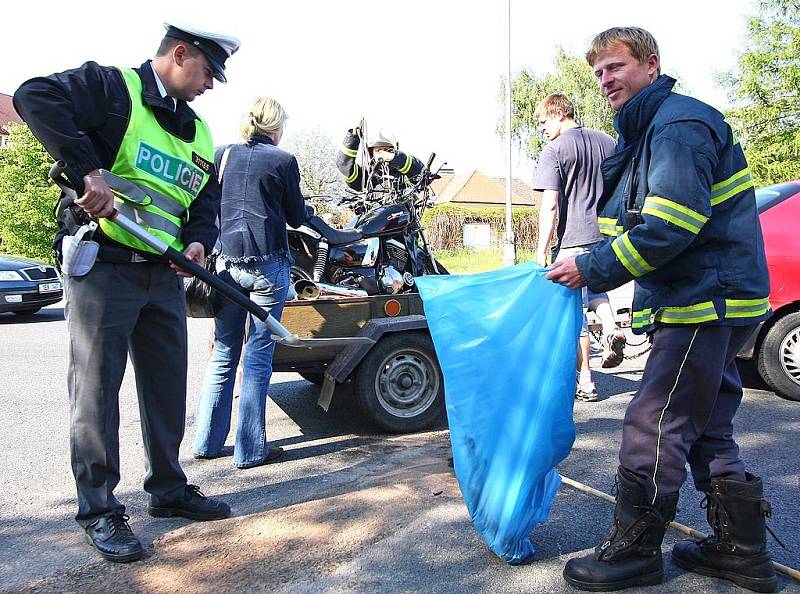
(586,392)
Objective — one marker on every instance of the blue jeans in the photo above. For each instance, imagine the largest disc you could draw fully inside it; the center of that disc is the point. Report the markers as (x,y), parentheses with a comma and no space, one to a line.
(267,282)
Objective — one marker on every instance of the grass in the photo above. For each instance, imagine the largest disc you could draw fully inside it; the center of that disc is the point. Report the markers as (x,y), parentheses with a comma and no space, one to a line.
(468,261)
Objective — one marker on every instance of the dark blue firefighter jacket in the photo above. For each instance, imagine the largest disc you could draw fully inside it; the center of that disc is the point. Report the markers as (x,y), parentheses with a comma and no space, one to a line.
(695,249)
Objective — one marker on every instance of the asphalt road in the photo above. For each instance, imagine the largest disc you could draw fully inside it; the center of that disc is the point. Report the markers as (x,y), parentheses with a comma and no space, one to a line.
(337,470)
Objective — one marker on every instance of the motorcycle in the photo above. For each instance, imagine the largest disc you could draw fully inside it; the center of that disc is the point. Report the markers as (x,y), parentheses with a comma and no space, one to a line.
(380,253)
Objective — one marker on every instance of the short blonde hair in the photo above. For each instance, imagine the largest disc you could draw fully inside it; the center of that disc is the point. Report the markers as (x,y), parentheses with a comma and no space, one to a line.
(264,117)
(554,105)
(640,43)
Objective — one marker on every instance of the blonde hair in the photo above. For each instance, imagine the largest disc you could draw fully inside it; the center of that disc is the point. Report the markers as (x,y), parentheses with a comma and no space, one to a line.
(640,43)
(264,117)
(554,105)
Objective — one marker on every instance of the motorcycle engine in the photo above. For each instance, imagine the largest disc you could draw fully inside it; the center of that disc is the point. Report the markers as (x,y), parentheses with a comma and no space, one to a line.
(396,254)
(391,281)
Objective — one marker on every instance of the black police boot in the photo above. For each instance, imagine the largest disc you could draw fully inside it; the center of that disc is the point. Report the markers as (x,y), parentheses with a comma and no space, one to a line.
(193,505)
(113,538)
(737,551)
(630,555)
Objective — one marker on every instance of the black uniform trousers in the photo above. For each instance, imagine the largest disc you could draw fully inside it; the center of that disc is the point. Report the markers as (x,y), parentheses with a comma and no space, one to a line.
(135,308)
(684,408)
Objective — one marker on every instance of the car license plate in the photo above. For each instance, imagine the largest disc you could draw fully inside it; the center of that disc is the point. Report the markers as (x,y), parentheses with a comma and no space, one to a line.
(49,287)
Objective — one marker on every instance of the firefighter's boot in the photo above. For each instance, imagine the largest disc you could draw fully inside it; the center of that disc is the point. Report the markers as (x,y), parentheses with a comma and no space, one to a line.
(630,555)
(737,551)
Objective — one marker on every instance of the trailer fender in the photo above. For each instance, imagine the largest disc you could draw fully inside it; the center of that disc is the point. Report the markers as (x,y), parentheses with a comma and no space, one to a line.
(346,361)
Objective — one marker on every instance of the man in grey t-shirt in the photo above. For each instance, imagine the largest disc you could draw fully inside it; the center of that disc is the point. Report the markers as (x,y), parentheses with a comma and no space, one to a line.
(570,177)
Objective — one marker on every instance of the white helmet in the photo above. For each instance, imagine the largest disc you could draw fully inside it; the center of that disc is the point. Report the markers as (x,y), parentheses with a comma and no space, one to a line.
(384,138)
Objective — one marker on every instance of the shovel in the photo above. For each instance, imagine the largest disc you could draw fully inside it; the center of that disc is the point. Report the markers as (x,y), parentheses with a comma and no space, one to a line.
(280,333)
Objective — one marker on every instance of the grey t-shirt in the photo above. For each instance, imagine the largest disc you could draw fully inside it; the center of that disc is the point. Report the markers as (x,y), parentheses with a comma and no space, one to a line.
(571,165)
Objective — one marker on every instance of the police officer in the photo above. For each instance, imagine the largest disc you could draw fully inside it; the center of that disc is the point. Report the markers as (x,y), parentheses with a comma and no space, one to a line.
(383,151)
(135,123)
(679,208)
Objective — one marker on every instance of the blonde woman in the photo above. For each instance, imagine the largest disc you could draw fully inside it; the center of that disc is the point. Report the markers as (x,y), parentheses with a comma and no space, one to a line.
(260,194)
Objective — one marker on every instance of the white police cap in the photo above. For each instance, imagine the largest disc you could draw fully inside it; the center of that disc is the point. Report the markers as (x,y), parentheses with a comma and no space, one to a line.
(216,46)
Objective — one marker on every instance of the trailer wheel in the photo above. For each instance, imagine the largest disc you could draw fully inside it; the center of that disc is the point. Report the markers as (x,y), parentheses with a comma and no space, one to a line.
(399,384)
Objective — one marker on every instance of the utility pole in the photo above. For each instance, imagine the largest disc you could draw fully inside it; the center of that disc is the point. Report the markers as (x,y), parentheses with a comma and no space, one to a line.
(509,252)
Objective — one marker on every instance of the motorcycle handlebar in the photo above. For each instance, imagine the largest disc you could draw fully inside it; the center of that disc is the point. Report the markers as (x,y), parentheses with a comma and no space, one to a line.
(430,161)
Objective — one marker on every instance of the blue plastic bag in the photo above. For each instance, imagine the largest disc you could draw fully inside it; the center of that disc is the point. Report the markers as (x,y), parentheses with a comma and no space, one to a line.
(507,344)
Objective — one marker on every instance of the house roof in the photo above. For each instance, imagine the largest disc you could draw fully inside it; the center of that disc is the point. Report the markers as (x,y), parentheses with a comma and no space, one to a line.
(522,189)
(7,112)
(473,187)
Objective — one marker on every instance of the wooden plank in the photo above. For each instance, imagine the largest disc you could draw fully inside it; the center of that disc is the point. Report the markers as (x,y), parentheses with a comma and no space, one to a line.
(333,317)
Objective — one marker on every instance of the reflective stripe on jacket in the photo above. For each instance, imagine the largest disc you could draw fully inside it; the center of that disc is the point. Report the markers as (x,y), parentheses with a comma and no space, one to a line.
(161,164)
(696,250)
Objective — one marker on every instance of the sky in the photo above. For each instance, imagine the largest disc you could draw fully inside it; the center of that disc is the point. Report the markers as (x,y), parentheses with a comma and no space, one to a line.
(428,70)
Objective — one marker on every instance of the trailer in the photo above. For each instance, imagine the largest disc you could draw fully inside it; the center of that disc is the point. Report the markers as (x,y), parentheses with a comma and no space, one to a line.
(397,382)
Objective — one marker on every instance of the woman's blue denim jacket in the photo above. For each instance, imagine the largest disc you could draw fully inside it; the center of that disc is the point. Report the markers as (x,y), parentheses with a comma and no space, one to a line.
(260,194)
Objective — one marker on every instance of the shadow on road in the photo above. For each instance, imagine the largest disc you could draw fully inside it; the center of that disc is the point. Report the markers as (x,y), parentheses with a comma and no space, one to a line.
(357,458)
(49,314)
(299,403)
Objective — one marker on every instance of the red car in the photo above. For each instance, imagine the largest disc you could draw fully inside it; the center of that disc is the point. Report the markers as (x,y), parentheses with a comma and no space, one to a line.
(776,345)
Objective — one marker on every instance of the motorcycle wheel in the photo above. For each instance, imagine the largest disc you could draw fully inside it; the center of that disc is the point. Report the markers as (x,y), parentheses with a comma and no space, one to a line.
(399,385)
(302,268)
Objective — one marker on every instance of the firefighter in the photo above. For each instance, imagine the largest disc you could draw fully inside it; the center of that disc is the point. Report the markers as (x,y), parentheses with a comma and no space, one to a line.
(679,209)
(390,166)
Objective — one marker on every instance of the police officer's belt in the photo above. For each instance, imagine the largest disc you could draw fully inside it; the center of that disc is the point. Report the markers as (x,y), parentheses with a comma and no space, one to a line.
(141,195)
(118,254)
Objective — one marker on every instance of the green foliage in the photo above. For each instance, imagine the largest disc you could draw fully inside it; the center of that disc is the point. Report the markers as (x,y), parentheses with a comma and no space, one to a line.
(445,224)
(574,78)
(26,196)
(765,89)
(468,261)
(478,213)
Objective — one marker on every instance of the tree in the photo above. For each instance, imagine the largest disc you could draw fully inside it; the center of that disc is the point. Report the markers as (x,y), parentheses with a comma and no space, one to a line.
(316,157)
(572,77)
(319,177)
(27,197)
(765,91)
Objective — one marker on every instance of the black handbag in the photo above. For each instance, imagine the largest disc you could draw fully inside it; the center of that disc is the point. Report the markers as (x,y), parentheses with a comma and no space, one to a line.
(202,300)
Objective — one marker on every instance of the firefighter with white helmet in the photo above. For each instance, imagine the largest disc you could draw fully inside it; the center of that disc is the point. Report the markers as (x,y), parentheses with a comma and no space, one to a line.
(384,154)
